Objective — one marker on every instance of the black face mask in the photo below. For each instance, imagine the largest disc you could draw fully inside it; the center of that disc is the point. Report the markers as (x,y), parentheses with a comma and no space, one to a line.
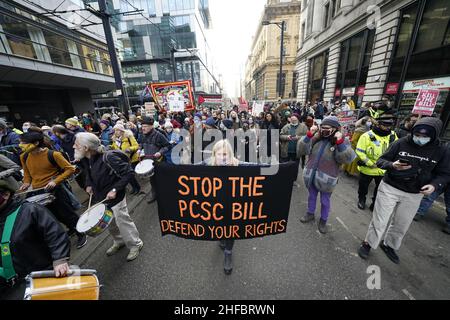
(326,133)
(380,132)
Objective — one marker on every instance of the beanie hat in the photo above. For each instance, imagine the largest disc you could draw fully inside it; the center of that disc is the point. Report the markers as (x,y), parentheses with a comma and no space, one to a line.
(105,122)
(119,127)
(198,115)
(46,128)
(331,121)
(211,122)
(425,129)
(72,121)
(228,123)
(296,115)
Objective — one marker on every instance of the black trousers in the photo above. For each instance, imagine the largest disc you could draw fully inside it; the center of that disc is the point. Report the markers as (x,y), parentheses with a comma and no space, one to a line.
(364,182)
(229,243)
(290,157)
(133,182)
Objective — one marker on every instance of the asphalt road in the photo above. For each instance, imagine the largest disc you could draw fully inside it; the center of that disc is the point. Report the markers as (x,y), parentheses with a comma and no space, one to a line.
(300,264)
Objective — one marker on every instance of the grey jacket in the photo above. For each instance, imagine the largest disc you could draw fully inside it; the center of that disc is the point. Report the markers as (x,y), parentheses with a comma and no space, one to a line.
(300,132)
(7,169)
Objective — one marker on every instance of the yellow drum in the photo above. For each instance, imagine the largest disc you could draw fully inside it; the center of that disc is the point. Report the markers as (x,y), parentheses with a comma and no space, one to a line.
(80,285)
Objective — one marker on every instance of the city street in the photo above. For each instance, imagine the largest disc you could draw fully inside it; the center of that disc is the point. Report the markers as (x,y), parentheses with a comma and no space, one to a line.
(301,264)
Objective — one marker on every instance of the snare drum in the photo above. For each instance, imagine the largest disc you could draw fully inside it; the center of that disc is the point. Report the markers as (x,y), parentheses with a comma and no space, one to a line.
(95,220)
(43,199)
(80,285)
(145,169)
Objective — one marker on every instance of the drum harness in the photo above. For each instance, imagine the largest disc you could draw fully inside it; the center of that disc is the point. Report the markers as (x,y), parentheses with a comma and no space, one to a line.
(7,270)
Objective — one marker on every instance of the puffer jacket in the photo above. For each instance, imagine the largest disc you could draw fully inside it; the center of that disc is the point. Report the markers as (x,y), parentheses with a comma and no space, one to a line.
(127,142)
(105,136)
(325,160)
(37,240)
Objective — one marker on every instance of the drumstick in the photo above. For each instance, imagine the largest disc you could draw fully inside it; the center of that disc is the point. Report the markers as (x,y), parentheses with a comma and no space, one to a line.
(96,205)
(34,190)
(90,200)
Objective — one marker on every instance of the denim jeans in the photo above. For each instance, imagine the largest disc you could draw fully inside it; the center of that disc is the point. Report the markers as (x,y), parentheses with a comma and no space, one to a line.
(427,202)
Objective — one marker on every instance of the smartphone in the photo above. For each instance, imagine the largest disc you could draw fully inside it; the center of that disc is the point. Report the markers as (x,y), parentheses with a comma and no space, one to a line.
(405,162)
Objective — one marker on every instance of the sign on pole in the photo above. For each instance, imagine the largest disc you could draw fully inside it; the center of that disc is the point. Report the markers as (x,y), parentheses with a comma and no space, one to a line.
(426,102)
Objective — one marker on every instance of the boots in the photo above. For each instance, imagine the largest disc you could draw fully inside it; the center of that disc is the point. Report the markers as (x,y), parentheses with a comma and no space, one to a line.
(362,204)
(228,262)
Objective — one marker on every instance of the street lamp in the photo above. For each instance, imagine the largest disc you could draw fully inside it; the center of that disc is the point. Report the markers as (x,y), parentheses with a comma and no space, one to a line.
(282,26)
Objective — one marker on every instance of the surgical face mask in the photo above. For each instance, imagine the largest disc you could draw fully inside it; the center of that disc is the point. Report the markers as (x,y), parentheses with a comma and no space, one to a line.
(369,124)
(169,130)
(421,141)
(27,147)
(25,129)
(197,122)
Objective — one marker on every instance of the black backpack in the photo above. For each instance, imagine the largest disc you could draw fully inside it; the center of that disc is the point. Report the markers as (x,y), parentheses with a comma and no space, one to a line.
(119,154)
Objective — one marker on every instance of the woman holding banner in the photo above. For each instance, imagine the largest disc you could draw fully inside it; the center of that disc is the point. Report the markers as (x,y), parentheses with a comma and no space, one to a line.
(223,155)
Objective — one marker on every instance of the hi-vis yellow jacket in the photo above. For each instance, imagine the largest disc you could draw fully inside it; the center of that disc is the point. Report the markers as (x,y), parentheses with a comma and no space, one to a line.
(371,147)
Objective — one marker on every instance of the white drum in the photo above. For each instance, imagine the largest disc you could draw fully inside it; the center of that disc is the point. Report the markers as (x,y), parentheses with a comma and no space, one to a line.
(145,169)
(95,220)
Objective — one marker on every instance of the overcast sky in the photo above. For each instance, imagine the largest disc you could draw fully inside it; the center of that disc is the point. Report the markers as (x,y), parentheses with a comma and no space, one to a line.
(234,23)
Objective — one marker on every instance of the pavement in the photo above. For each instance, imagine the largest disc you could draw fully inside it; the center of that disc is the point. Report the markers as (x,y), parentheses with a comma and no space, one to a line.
(300,264)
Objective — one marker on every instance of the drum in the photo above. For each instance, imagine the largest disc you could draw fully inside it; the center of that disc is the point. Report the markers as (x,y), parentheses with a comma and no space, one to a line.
(43,199)
(95,220)
(80,285)
(145,169)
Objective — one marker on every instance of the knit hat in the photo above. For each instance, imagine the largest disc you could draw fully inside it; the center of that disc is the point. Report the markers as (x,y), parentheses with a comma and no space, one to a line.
(168,125)
(211,122)
(227,123)
(148,121)
(425,129)
(296,115)
(6,185)
(331,121)
(198,115)
(44,128)
(105,122)
(72,121)
(119,127)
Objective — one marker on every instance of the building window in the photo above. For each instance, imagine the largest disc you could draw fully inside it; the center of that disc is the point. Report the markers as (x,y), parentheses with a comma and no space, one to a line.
(333,8)
(354,61)
(317,75)
(327,16)
(294,84)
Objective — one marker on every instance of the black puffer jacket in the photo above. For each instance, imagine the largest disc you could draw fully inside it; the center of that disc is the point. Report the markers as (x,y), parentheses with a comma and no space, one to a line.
(155,142)
(37,239)
(430,163)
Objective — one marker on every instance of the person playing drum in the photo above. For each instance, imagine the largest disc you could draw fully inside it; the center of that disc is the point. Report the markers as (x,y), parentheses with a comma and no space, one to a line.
(32,240)
(154,145)
(47,169)
(107,178)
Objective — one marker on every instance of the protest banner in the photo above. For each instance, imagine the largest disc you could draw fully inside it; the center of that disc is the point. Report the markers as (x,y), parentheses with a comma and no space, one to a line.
(257,108)
(163,92)
(215,203)
(426,102)
(150,109)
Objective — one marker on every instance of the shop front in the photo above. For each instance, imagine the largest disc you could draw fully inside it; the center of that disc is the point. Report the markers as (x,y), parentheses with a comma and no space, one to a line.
(421,59)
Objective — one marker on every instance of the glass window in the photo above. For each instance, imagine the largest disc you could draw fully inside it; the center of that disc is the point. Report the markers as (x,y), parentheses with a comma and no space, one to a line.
(354,53)
(406,28)
(327,15)
(434,27)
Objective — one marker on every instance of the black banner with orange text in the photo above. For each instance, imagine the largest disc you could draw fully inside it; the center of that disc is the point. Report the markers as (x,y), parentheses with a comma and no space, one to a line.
(217,203)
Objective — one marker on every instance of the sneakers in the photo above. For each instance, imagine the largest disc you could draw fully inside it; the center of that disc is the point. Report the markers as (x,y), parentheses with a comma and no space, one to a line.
(82,240)
(114,249)
(364,250)
(228,262)
(417,217)
(390,253)
(322,226)
(446,229)
(307,218)
(134,252)
(361,205)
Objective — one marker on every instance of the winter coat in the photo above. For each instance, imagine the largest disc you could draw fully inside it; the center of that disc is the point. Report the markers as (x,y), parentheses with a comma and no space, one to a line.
(7,169)
(300,131)
(370,148)
(430,163)
(325,159)
(127,142)
(105,136)
(155,142)
(11,139)
(37,240)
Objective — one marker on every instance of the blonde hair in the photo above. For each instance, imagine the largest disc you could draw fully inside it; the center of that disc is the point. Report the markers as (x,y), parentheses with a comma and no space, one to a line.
(223,145)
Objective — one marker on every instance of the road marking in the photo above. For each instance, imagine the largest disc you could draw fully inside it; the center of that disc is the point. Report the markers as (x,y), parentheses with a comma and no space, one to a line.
(345,251)
(346,228)
(409,295)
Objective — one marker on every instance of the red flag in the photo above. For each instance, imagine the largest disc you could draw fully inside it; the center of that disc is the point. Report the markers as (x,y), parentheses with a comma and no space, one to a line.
(201,100)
